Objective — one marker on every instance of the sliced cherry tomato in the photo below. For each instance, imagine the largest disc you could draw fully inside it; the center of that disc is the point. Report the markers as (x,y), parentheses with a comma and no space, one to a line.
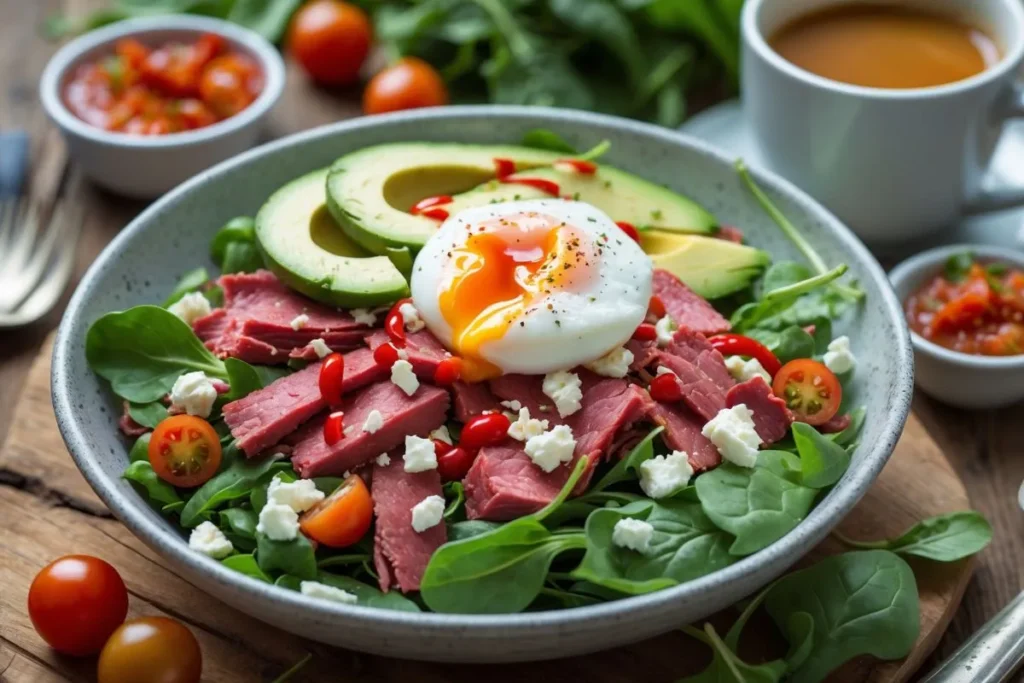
(334,427)
(229,84)
(394,323)
(645,332)
(343,517)
(151,649)
(581,166)
(448,371)
(76,602)
(429,203)
(629,229)
(665,388)
(455,463)
(484,430)
(385,354)
(542,184)
(410,83)
(504,167)
(184,450)
(331,40)
(441,447)
(811,391)
(332,374)
(740,345)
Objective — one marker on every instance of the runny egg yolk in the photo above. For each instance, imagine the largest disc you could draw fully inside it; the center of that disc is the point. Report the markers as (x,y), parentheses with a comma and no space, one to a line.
(502,273)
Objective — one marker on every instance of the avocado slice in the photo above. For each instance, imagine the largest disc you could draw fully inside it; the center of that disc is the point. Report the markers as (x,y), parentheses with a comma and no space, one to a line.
(711,267)
(303,245)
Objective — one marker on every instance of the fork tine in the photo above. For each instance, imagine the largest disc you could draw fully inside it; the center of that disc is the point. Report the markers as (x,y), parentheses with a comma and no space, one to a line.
(19,284)
(23,237)
(8,213)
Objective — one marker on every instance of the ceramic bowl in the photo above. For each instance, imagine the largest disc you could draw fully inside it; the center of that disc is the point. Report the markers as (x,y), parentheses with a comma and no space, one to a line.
(959,379)
(147,166)
(142,264)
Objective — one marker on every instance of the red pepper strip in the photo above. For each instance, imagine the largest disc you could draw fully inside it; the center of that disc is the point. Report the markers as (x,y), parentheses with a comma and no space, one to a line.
(504,167)
(484,430)
(646,332)
(386,355)
(394,324)
(441,447)
(332,371)
(436,214)
(629,229)
(424,204)
(334,428)
(665,388)
(448,371)
(543,184)
(739,345)
(656,307)
(455,464)
(577,165)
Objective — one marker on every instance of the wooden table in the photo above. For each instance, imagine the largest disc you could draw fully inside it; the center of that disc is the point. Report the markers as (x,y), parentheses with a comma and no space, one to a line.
(986,448)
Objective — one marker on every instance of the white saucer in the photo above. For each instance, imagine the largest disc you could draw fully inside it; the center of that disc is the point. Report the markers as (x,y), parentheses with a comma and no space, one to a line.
(724,126)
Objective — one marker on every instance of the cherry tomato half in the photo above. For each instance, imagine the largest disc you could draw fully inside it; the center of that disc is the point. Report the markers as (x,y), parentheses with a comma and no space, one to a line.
(739,345)
(454,463)
(645,332)
(76,602)
(151,649)
(386,354)
(330,39)
(665,388)
(410,83)
(184,450)
(448,371)
(343,517)
(811,391)
(484,430)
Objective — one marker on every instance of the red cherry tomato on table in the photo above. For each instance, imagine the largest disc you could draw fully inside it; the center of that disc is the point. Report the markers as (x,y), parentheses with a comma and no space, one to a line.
(811,391)
(76,602)
(185,450)
(330,39)
(739,345)
(484,430)
(410,83)
(149,650)
(343,517)
(455,463)
(332,374)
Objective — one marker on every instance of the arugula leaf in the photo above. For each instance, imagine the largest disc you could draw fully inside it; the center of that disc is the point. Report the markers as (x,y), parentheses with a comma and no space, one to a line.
(143,350)
(727,667)
(147,414)
(235,482)
(367,595)
(542,138)
(776,302)
(269,18)
(190,281)
(246,564)
(944,538)
(140,449)
(156,490)
(294,557)
(958,265)
(822,461)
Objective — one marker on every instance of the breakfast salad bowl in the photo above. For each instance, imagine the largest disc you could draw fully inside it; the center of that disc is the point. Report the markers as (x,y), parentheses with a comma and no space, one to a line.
(467,373)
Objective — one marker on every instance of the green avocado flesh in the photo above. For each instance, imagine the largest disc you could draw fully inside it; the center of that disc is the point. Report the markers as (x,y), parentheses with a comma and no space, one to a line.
(711,267)
(303,245)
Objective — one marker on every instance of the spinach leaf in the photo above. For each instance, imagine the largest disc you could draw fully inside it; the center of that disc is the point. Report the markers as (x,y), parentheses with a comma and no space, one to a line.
(239,521)
(460,531)
(269,374)
(727,667)
(859,602)
(147,414)
(958,265)
(246,564)
(241,257)
(233,248)
(822,461)
(697,19)
(789,344)
(626,469)
(848,436)
(556,598)
(143,350)
(344,560)
(784,273)
(327,485)
(454,492)
(541,138)
(243,379)
(156,490)
(269,18)
(294,557)
(140,449)
(235,482)
(189,282)
(367,595)
(756,505)
(945,538)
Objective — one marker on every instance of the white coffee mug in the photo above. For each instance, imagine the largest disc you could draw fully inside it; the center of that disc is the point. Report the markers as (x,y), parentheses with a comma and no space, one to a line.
(893,164)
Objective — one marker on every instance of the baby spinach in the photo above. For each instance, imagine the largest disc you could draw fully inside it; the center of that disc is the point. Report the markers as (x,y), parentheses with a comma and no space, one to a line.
(243,379)
(789,344)
(156,490)
(726,666)
(246,564)
(269,18)
(848,436)
(239,521)
(235,482)
(190,281)
(945,538)
(456,496)
(822,461)
(460,531)
(367,595)
(147,414)
(143,350)
(290,557)
(140,449)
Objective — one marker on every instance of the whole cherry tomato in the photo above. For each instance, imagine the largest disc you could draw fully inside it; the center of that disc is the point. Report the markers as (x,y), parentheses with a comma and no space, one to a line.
(343,517)
(76,602)
(484,430)
(409,84)
(151,650)
(811,391)
(184,450)
(454,463)
(330,39)
(665,388)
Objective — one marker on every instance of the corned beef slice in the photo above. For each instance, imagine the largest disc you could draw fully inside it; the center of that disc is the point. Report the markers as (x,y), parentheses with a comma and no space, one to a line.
(683,433)
(255,322)
(695,348)
(686,307)
(771,416)
(425,351)
(403,415)
(264,417)
(703,377)
(528,390)
(400,553)
(835,425)
(471,400)
(699,391)
(130,427)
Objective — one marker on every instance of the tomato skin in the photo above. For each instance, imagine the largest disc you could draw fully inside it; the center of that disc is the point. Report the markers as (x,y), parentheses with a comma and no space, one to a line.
(385,354)
(665,388)
(343,517)
(185,450)
(811,391)
(76,602)
(454,464)
(151,650)
(740,345)
(229,84)
(484,430)
(332,373)
(331,40)
(645,332)
(448,371)
(334,428)
(629,229)
(410,83)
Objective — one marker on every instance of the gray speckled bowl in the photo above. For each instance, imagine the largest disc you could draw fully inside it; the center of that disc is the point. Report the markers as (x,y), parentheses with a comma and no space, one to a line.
(143,263)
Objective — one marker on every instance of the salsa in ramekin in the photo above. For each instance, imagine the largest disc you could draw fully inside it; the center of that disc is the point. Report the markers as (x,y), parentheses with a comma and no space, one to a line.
(168,88)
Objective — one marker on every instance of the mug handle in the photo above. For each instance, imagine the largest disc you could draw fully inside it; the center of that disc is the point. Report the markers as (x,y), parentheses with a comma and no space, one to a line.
(1007,196)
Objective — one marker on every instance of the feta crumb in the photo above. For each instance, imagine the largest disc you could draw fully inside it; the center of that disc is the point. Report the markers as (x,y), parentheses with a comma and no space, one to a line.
(442,434)
(551,449)
(190,307)
(364,316)
(278,522)
(665,329)
(663,475)
(563,388)
(404,378)
(374,421)
(838,358)
(299,495)
(615,363)
(320,347)
(411,317)
(513,405)
(523,428)
(210,541)
(315,589)
(662,370)
(419,454)
(633,534)
(743,370)
(193,393)
(427,513)
(299,321)
(383,460)
(732,431)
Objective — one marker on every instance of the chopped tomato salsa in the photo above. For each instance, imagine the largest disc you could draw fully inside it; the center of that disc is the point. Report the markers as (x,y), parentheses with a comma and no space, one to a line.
(170,88)
(971,307)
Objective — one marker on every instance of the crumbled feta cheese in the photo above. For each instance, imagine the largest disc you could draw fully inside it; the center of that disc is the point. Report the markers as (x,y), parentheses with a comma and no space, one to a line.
(364,316)
(732,431)
(427,513)
(662,370)
(193,393)
(743,370)
(383,460)
(403,354)
(663,475)
(838,358)
(374,421)
(299,321)
(551,449)
(411,317)
(278,522)
(419,454)
(190,307)
(315,589)
(665,330)
(404,378)
(320,347)
(299,495)
(442,434)
(563,388)
(513,405)
(633,534)
(615,363)
(210,541)
(523,428)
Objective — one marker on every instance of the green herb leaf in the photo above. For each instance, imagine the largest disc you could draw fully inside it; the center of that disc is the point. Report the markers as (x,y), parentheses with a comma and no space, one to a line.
(822,461)
(367,596)
(958,265)
(156,490)
(627,469)
(190,281)
(777,301)
(246,564)
(140,449)
(233,248)
(294,557)
(727,667)
(147,414)
(269,18)
(541,138)
(460,531)
(945,538)
(237,481)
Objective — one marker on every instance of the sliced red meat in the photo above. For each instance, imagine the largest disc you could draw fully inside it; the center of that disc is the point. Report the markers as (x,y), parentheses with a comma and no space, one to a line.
(609,407)
(835,425)
(424,350)
(264,417)
(683,433)
(400,553)
(474,399)
(695,348)
(686,307)
(528,390)
(128,426)
(699,392)
(419,414)
(771,416)
(255,323)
